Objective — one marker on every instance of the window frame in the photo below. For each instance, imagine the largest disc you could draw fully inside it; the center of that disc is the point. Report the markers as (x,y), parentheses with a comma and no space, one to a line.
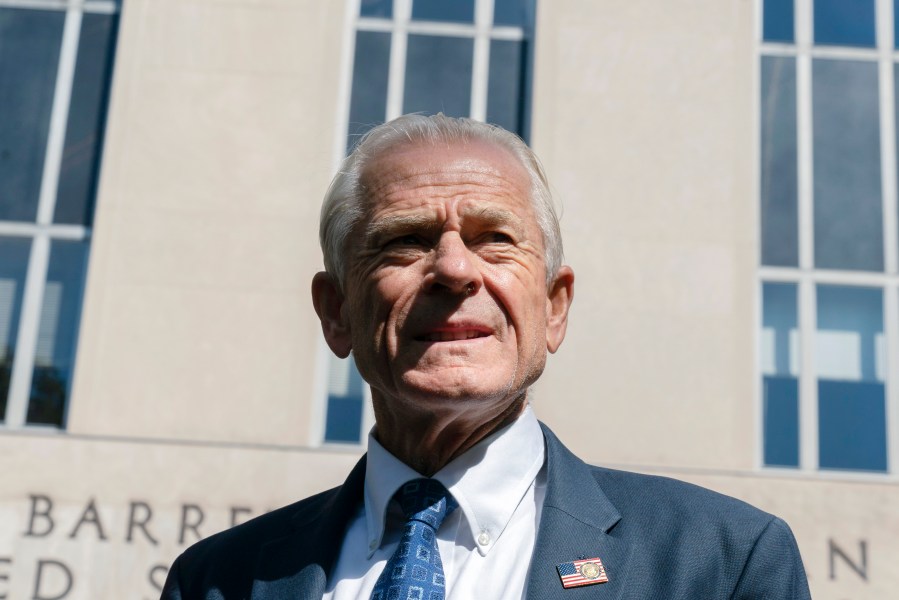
(42,231)
(805,276)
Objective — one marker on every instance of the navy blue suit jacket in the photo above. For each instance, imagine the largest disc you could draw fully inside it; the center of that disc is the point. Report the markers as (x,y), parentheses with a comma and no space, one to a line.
(658,539)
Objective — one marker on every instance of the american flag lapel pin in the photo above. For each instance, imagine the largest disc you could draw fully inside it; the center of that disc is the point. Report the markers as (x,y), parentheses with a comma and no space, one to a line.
(585,571)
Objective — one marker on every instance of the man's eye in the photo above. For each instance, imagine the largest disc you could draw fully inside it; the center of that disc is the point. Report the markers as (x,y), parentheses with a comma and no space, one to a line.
(406,240)
(498,237)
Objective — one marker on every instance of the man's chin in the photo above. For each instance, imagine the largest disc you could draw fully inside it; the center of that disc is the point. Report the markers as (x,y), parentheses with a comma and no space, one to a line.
(474,387)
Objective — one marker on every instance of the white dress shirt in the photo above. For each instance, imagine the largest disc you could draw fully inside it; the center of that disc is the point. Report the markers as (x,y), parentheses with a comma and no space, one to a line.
(485,545)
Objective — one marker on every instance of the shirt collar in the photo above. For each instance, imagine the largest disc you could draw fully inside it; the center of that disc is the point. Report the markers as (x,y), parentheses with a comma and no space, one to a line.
(488,481)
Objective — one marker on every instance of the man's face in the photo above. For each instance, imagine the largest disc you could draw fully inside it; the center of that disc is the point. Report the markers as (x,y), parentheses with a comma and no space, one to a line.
(446,299)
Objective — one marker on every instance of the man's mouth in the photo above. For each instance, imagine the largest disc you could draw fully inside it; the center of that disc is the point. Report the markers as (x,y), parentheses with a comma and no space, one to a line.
(453,334)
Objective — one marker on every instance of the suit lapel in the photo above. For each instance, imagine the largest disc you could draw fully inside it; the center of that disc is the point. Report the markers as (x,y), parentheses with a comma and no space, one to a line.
(296,566)
(576,522)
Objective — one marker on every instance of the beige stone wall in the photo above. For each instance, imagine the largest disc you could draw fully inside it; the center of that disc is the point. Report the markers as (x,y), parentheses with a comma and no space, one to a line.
(197,320)
(643,117)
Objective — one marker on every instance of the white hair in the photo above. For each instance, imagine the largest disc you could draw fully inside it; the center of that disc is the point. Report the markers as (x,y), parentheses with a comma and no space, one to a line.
(343,206)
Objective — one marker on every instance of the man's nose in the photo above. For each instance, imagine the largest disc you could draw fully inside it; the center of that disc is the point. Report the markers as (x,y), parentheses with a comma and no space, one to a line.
(454,267)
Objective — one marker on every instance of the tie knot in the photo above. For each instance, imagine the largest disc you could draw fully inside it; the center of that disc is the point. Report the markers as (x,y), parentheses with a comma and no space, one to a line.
(425,500)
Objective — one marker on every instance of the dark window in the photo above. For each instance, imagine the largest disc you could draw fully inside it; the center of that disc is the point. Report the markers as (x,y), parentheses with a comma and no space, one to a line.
(780,381)
(13,266)
(459,11)
(343,422)
(508,62)
(848,204)
(777,23)
(376,8)
(29,55)
(84,132)
(55,353)
(844,23)
(852,425)
(850,363)
(368,105)
(517,13)
(779,187)
(438,75)
(54,83)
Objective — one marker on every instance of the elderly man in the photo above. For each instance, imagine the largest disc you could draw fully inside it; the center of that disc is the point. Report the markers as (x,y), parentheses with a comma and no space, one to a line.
(444,279)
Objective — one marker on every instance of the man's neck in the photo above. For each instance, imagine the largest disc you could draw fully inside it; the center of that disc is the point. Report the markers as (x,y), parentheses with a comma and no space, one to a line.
(427,440)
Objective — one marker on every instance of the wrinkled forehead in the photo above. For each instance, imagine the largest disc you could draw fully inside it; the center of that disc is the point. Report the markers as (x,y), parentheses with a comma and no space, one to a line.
(438,167)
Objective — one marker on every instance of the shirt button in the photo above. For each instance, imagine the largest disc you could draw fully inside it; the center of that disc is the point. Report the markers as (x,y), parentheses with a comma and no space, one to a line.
(483,538)
(372,545)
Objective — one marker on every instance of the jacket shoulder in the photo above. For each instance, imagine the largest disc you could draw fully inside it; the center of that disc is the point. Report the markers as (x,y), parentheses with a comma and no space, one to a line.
(261,529)
(740,551)
(671,499)
(227,560)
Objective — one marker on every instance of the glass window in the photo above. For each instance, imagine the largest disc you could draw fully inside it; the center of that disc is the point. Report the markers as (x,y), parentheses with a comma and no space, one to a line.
(779,186)
(513,12)
(29,53)
(368,105)
(60,311)
(77,176)
(896,24)
(848,205)
(777,25)
(47,66)
(845,230)
(780,374)
(506,87)
(13,266)
(346,391)
(438,75)
(844,22)
(460,11)
(849,352)
(376,8)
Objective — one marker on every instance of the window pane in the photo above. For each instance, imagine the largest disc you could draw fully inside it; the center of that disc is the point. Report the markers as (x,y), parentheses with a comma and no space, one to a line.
(505,90)
(848,211)
(896,103)
(368,105)
(895,24)
(777,23)
(29,53)
(780,224)
(345,396)
(13,266)
(84,131)
(844,22)
(849,352)
(438,75)
(57,332)
(518,13)
(780,374)
(459,11)
(376,8)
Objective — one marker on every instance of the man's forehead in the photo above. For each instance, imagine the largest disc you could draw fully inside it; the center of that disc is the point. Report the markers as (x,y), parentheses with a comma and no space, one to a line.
(419,163)
(423,217)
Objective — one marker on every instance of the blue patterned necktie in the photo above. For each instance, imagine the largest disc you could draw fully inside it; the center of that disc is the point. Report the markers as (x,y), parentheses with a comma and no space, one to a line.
(415,571)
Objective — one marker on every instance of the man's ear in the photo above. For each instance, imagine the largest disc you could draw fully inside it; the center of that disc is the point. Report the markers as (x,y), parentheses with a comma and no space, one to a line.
(558,301)
(328,302)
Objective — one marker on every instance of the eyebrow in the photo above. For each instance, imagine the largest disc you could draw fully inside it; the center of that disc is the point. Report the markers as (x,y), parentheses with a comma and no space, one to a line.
(394,224)
(490,215)
(390,225)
